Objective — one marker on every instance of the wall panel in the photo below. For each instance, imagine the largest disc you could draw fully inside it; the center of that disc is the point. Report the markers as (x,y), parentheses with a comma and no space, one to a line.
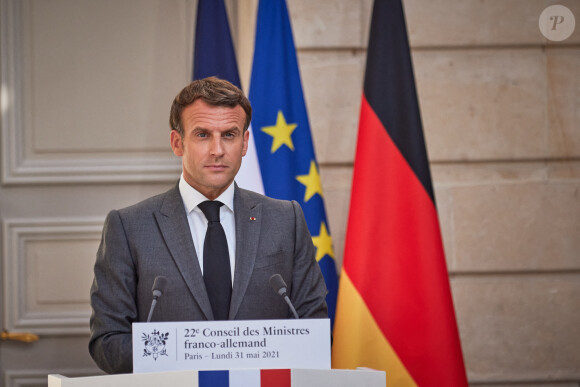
(88,95)
(48,274)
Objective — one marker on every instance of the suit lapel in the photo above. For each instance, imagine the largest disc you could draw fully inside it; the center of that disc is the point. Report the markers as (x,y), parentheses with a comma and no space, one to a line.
(174,227)
(248,222)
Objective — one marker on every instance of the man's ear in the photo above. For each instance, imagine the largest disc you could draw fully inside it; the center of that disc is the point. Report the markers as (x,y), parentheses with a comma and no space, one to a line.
(176,143)
(246,138)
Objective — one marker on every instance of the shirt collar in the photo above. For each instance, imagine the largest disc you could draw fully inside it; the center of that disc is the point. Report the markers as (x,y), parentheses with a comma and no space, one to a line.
(192,197)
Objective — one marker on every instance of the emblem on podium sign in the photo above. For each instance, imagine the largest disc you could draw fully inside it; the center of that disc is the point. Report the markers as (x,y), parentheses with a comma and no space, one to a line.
(154,344)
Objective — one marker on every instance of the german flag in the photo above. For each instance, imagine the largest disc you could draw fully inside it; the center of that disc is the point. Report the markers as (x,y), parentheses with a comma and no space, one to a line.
(394,311)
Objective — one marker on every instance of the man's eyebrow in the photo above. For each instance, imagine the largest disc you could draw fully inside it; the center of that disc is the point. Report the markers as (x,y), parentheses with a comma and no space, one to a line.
(202,129)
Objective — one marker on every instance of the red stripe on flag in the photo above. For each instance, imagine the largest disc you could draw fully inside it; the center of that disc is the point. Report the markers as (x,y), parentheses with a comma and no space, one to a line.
(275,378)
(394,256)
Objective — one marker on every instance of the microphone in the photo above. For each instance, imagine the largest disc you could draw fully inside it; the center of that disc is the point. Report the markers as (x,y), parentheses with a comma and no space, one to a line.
(277,283)
(158,288)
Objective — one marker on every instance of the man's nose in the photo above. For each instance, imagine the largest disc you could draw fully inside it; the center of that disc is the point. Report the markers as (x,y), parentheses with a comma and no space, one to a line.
(217,146)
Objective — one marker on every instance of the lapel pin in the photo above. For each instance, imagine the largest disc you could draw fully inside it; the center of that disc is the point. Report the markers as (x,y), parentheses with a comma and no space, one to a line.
(252,218)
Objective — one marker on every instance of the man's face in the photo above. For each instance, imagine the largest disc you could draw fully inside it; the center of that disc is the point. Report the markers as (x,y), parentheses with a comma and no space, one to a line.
(212,146)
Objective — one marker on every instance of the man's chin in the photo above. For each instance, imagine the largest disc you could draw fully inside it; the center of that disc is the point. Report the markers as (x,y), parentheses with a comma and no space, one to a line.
(220,184)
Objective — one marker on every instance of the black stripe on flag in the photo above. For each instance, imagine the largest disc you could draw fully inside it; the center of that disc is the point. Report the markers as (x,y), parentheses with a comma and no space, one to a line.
(389,86)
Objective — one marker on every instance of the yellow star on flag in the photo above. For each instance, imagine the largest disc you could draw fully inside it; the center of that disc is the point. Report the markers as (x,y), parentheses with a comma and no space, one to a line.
(311,181)
(323,243)
(280,132)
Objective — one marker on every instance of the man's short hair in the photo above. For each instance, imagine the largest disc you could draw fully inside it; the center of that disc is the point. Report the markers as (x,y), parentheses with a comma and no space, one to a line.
(213,91)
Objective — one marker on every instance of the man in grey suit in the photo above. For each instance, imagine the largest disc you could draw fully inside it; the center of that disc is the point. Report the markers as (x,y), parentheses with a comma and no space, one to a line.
(164,236)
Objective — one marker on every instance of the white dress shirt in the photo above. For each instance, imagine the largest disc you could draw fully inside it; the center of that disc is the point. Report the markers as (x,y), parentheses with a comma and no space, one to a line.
(198,222)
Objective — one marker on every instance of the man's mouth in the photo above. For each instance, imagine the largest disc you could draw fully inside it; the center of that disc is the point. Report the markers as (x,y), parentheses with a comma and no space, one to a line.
(216,167)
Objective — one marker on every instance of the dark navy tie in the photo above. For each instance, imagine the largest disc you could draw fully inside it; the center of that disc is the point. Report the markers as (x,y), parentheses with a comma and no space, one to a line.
(216,261)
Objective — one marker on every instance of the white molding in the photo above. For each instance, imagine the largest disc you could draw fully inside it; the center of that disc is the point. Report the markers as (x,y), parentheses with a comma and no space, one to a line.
(17,233)
(10,66)
(21,165)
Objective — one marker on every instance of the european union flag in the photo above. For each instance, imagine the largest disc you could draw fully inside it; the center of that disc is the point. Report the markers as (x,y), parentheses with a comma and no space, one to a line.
(282,133)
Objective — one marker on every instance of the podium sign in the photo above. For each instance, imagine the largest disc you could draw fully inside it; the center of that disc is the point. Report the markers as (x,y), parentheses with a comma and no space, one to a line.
(222,345)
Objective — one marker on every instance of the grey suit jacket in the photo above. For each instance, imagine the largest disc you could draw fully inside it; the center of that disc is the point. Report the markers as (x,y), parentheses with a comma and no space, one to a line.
(153,238)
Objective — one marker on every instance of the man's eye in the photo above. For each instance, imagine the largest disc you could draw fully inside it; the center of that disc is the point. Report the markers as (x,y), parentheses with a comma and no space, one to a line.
(201,134)
(229,134)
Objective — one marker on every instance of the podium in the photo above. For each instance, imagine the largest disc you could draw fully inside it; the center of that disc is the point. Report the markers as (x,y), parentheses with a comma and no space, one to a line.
(231,378)
(231,353)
